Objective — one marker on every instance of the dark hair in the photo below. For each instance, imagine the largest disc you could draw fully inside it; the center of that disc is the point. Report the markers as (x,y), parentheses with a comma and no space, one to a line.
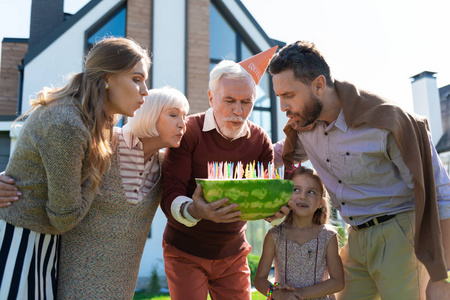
(321,214)
(304,60)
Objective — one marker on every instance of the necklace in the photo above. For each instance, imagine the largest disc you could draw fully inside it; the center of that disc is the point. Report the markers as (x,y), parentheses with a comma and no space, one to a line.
(309,255)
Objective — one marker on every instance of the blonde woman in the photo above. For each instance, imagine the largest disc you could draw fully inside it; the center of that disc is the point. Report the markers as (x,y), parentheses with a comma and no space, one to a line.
(61,154)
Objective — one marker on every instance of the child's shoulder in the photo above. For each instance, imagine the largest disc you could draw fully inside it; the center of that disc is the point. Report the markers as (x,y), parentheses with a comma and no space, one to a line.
(328,230)
(275,231)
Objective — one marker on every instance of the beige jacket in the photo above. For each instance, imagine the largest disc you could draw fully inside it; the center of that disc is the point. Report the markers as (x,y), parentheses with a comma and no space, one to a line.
(50,167)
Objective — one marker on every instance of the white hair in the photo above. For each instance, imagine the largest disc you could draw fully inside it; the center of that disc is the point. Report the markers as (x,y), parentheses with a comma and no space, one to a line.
(230,70)
(143,124)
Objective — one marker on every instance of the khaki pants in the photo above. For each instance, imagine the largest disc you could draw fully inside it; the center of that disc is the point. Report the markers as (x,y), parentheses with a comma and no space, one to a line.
(191,277)
(379,262)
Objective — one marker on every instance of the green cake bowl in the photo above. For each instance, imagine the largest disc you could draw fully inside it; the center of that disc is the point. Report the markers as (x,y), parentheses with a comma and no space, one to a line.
(257,198)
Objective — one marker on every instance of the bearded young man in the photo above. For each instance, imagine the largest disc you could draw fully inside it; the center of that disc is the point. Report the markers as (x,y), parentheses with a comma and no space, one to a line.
(381,170)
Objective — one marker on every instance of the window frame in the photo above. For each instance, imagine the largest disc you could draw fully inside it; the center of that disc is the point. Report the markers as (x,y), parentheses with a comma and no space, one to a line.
(103,20)
(243,37)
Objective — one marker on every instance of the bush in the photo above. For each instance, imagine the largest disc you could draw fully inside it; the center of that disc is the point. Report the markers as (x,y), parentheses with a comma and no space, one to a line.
(253,261)
(342,236)
(154,285)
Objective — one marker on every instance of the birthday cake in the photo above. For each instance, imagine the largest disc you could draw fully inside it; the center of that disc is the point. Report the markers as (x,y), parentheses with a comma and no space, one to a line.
(257,198)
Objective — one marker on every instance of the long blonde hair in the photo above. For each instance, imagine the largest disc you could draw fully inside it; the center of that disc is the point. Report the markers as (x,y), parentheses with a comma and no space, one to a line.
(107,57)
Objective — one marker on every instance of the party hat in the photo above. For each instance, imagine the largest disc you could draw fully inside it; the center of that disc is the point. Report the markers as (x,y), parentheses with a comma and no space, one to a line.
(257,64)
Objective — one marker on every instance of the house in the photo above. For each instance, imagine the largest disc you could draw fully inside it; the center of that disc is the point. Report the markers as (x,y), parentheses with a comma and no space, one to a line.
(186,39)
(434,103)
(443,146)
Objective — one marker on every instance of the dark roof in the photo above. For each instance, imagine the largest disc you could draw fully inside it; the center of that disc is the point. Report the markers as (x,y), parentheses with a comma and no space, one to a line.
(60,30)
(444,143)
(14,40)
(71,20)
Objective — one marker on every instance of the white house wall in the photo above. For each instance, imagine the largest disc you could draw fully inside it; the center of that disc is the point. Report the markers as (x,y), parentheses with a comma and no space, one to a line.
(169,45)
(153,258)
(168,68)
(62,57)
(427,103)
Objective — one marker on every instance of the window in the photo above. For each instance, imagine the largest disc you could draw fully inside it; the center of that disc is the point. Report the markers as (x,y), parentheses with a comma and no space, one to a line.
(222,37)
(227,43)
(112,24)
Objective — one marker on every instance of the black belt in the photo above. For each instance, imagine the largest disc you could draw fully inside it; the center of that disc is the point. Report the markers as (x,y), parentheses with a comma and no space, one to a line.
(374,221)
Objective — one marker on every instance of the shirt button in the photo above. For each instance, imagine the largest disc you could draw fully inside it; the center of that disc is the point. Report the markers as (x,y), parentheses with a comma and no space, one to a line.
(339,181)
(347,153)
(343,203)
(328,160)
(351,218)
(326,133)
(135,190)
(140,174)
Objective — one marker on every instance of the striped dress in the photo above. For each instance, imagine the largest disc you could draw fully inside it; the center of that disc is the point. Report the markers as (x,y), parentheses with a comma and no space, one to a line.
(29,260)
(100,257)
(50,165)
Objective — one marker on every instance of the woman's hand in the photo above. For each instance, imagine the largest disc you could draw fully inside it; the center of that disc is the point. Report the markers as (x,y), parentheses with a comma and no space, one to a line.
(8,191)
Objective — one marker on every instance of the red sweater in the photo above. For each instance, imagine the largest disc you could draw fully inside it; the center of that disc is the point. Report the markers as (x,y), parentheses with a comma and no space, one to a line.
(182,165)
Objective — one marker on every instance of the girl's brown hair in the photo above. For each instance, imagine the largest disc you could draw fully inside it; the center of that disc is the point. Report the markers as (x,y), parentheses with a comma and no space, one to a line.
(109,56)
(321,214)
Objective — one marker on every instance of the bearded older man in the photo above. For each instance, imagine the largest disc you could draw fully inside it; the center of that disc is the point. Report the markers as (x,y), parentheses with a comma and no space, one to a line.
(205,248)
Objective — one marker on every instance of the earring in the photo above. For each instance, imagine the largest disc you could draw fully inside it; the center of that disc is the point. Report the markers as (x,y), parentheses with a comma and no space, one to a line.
(106,86)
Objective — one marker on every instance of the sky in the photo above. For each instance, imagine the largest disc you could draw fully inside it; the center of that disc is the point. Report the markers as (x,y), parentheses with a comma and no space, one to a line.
(375,44)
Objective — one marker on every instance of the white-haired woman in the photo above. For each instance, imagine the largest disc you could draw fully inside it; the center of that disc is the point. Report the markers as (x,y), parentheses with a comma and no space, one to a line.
(99,258)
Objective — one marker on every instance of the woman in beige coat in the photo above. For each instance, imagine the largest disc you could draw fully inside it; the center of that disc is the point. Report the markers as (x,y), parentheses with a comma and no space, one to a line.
(61,154)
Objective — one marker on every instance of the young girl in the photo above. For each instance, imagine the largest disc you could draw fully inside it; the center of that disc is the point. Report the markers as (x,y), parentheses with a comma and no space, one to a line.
(61,154)
(305,249)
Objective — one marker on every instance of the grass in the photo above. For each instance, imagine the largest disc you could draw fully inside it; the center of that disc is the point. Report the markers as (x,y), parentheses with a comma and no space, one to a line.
(148,296)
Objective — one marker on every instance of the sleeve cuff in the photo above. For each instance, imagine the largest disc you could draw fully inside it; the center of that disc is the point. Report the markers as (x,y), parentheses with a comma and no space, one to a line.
(444,210)
(188,221)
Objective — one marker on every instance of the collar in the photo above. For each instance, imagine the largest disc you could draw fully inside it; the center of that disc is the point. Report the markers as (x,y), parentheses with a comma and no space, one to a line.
(210,124)
(339,123)
(131,141)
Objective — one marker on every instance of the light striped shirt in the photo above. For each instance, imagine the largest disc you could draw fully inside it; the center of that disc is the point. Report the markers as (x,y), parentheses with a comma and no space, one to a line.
(363,170)
(138,177)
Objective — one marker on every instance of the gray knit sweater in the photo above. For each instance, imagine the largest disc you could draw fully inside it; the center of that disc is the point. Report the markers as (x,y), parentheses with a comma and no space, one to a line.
(50,164)
(100,257)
